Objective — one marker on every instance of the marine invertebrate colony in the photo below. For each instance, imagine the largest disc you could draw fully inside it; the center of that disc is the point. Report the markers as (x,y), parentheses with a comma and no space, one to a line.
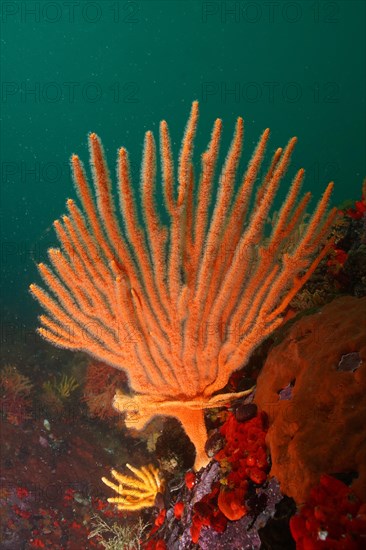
(333,517)
(101,382)
(136,492)
(181,305)
(64,387)
(15,389)
(317,403)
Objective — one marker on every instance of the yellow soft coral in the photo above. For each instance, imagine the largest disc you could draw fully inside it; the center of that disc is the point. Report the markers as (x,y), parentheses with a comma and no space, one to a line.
(136,492)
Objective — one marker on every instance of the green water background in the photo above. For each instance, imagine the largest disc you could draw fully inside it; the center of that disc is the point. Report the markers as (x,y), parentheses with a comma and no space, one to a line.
(118,68)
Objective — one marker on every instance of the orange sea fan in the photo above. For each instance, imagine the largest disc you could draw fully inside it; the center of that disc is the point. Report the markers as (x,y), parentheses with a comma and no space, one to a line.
(179,306)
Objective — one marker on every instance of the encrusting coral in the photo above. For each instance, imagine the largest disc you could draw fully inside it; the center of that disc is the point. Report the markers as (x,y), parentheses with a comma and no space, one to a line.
(333,518)
(313,388)
(179,306)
